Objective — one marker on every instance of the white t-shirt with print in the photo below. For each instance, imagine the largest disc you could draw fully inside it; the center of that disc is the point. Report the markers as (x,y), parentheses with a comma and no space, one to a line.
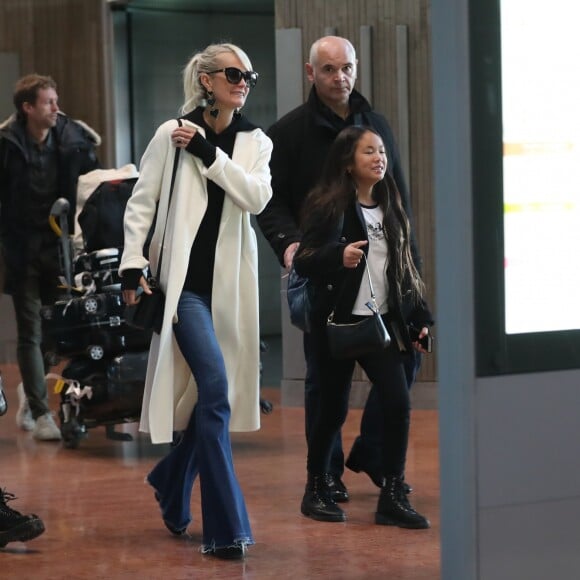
(378,260)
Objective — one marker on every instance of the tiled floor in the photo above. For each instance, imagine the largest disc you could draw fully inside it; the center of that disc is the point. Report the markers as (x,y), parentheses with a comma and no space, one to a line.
(102,521)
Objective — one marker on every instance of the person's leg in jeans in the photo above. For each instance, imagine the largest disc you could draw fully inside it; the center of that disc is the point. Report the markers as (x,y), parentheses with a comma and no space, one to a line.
(334,397)
(312,403)
(27,302)
(205,446)
(366,454)
(387,372)
(322,492)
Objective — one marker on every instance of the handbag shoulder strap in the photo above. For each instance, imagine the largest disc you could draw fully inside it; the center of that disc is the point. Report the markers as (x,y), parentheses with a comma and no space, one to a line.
(173,174)
(372,303)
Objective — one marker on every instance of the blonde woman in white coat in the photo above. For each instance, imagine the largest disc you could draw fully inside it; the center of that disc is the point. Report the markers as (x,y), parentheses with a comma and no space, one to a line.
(202,377)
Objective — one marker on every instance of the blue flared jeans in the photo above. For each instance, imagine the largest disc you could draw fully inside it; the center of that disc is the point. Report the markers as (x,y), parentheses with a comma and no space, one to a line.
(204,447)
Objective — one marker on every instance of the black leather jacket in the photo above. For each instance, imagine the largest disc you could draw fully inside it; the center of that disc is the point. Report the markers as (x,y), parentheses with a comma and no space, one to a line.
(320,258)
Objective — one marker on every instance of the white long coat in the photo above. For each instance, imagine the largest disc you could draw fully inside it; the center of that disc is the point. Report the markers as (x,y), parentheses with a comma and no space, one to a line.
(170,390)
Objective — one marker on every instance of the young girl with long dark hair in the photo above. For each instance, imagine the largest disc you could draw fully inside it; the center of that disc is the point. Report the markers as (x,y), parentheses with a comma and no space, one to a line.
(354,210)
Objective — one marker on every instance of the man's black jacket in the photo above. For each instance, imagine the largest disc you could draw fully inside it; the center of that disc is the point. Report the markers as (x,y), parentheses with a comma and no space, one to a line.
(302,139)
(76,156)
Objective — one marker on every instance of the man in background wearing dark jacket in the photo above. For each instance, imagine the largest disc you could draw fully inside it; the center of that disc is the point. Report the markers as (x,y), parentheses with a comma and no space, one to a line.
(301,140)
(42,154)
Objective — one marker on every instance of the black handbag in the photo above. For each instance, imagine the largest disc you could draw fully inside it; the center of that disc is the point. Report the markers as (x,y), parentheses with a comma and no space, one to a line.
(299,294)
(147,313)
(354,339)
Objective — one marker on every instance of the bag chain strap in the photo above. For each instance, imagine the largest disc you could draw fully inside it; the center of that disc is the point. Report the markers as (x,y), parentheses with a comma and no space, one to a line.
(372,303)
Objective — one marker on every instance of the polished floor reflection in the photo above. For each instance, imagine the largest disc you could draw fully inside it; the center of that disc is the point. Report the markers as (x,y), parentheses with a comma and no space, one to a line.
(102,521)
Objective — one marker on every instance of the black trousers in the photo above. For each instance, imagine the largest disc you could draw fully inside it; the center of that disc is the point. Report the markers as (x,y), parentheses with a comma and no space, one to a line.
(386,370)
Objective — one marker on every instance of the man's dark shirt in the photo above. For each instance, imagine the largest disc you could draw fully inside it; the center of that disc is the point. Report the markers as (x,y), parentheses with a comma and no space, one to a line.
(43,180)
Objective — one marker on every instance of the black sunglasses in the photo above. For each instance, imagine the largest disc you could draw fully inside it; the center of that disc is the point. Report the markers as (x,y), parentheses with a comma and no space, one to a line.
(235,75)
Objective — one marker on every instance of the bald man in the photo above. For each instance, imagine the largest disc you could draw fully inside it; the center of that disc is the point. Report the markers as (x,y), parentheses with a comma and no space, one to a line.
(301,140)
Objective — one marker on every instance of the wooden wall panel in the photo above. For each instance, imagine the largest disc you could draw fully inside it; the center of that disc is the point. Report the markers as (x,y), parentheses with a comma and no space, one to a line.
(68,40)
(346,16)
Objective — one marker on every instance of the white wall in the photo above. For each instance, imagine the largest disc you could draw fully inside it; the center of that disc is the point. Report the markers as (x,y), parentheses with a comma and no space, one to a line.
(528,476)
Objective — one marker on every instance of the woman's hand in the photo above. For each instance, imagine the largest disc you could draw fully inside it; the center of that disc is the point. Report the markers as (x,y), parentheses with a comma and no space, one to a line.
(130,296)
(352,254)
(417,345)
(182,136)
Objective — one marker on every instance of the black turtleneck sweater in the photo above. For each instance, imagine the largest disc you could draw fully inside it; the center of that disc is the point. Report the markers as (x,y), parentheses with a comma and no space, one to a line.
(199,278)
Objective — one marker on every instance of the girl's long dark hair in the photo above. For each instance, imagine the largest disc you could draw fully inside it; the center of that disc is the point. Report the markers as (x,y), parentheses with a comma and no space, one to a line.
(336,189)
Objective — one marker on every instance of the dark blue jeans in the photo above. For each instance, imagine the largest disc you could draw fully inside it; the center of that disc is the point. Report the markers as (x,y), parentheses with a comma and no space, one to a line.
(371,429)
(204,448)
(387,373)
(312,404)
(368,443)
(32,288)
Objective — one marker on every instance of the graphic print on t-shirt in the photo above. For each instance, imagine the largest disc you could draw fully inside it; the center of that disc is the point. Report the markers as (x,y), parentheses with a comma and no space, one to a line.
(377,259)
(375,231)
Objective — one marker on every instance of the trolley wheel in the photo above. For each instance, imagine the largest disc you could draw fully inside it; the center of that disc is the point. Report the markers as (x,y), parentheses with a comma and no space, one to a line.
(72,431)
(96,352)
(266,406)
(71,441)
(91,305)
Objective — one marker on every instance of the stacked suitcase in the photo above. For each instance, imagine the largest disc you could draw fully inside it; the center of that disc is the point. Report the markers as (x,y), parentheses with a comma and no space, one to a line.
(107,358)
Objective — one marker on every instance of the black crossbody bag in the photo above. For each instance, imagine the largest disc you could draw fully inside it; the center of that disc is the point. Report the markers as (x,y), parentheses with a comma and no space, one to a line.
(148,313)
(354,339)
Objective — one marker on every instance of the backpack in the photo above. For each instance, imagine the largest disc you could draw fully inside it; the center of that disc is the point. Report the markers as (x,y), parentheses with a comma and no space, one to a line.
(101,219)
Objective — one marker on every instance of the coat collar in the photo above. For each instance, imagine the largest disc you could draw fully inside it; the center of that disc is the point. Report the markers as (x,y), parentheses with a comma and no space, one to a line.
(323,115)
(66,131)
(238,124)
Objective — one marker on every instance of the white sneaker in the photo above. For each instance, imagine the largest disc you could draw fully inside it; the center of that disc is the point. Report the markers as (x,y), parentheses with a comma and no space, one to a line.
(24,418)
(46,429)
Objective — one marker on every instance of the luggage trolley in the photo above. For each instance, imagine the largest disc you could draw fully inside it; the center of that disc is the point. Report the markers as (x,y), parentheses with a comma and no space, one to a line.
(103,379)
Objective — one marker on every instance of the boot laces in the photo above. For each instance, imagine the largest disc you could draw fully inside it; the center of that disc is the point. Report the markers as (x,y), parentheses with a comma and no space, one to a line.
(5,497)
(321,487)
(400,497)
(328,481)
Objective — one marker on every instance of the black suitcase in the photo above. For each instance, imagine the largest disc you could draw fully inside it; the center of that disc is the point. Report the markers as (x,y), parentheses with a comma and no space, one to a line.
(92,325)
(116,385)
(112,393)
(100,267)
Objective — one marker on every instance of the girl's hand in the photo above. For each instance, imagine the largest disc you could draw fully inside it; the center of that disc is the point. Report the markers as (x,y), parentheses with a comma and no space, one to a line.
(353,254)
(417,344)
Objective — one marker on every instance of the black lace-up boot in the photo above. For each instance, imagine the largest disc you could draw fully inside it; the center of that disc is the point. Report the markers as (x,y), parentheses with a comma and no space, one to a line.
(14,526)
(317,502)
(394,508)
(338,491)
